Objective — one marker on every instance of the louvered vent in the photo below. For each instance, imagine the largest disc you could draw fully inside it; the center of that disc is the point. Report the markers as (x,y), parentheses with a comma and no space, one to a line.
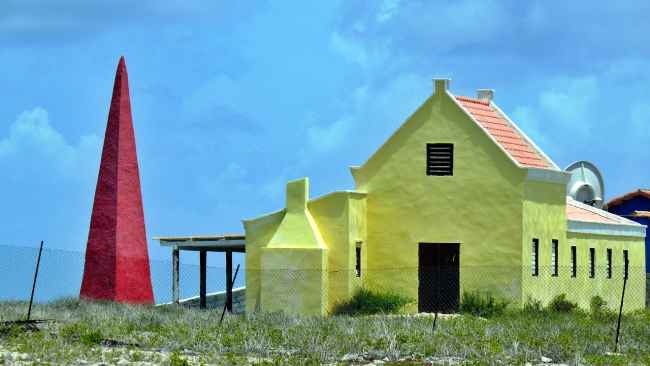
(440,159)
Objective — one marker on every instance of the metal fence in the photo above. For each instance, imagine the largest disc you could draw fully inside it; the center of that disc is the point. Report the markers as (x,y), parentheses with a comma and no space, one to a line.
(61,272)
(429,289)
(444,289)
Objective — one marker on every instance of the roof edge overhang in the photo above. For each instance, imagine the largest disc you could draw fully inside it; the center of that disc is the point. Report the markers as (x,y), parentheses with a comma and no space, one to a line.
(599,228)
(524,136)
(547,175)
(469,115)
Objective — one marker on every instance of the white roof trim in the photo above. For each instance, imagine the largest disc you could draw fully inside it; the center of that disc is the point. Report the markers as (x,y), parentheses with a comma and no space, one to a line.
(453,97)
(599,228)
(531,142)
(548,175)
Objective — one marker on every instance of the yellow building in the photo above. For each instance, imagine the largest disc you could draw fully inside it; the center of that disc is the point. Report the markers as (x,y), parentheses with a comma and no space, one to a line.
(457,199)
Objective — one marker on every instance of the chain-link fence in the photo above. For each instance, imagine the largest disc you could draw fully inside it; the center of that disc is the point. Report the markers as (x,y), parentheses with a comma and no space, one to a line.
(437,288)
(61,272)
(445,288)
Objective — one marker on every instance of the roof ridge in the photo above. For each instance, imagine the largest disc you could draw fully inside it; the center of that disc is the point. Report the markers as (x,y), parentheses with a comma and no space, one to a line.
(472,100)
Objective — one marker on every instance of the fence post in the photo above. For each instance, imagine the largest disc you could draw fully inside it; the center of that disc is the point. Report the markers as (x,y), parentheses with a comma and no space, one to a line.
(31,298)
(223,312)
(620,311)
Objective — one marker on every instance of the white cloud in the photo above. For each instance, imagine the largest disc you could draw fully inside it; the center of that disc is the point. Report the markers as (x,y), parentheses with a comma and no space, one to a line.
(571,101)
(640,120)
(387,10)
(32,140)
(350,50)
(324,139)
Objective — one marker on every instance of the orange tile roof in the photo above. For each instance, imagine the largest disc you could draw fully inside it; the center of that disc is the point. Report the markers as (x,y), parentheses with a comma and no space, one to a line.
(578,211)
(618,200)
(504,133)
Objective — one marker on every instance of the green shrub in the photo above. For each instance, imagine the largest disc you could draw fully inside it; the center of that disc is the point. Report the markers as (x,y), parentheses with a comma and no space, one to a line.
(366,302)
(482,304)
(533,306)
(598,308)
(91,338)
(560,304)
(82,332)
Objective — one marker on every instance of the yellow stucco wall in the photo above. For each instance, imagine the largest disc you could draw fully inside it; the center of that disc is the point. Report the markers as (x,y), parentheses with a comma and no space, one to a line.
(341,220)
(480,206)
(294,280)
(301,260)
(544,219)
(258,233)
(582,288)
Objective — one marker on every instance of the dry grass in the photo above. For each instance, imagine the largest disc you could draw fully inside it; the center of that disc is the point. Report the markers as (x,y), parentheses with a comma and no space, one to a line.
(108,332)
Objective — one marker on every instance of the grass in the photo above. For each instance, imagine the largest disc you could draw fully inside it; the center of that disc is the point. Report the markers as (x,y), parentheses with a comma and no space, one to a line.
(109,332)
(482,304)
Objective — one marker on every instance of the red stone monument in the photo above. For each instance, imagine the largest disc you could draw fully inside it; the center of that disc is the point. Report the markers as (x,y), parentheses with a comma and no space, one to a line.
(117,262)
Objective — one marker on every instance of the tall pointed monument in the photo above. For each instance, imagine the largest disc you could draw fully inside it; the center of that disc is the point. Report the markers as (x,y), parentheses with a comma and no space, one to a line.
(117,262)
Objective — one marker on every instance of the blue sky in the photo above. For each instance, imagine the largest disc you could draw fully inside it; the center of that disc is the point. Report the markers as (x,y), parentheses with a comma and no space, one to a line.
(231,101)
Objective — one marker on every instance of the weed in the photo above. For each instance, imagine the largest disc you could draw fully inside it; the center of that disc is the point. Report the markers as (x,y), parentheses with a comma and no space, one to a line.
(175,359)
(599,310)
(560,304)
(482,304)
(366,302)
(532,306)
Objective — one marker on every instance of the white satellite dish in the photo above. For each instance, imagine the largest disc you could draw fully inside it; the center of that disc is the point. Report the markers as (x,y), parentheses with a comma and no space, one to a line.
(586,184)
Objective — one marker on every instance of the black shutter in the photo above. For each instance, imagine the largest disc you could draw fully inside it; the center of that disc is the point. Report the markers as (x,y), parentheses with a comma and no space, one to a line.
(440,159)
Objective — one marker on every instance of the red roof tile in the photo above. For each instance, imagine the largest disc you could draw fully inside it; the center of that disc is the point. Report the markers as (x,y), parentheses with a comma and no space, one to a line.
(578,211)
(505,134)
(628,196)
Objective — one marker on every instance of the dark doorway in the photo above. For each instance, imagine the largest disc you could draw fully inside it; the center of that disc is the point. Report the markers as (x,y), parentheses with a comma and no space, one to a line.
(438,277)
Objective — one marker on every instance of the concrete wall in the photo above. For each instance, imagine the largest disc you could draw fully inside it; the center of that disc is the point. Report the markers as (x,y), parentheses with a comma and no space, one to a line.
(216,300)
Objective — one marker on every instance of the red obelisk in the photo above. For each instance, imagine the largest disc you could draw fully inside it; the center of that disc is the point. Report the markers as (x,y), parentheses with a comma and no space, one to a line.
(117,262)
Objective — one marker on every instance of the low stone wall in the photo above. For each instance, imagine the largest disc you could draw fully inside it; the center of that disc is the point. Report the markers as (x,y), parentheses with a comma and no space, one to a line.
(216,300)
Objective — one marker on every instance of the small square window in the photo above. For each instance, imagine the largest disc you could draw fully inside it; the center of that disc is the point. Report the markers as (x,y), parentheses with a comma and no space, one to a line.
(440,159)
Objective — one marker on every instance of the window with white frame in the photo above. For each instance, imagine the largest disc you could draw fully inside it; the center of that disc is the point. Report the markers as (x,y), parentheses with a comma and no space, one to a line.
(554,257)
(535,257)
(592,262)
(574,262)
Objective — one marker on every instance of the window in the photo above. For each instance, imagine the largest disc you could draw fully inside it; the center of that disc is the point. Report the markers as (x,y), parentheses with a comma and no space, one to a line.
(609,263)
(574,260)
(592,262)
(357,266)
(440,159)
(554,269)
(626,263)
(535,256)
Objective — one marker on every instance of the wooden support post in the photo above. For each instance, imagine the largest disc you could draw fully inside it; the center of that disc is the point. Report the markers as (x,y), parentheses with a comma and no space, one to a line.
(202,269)
(175,275)
(229,281)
